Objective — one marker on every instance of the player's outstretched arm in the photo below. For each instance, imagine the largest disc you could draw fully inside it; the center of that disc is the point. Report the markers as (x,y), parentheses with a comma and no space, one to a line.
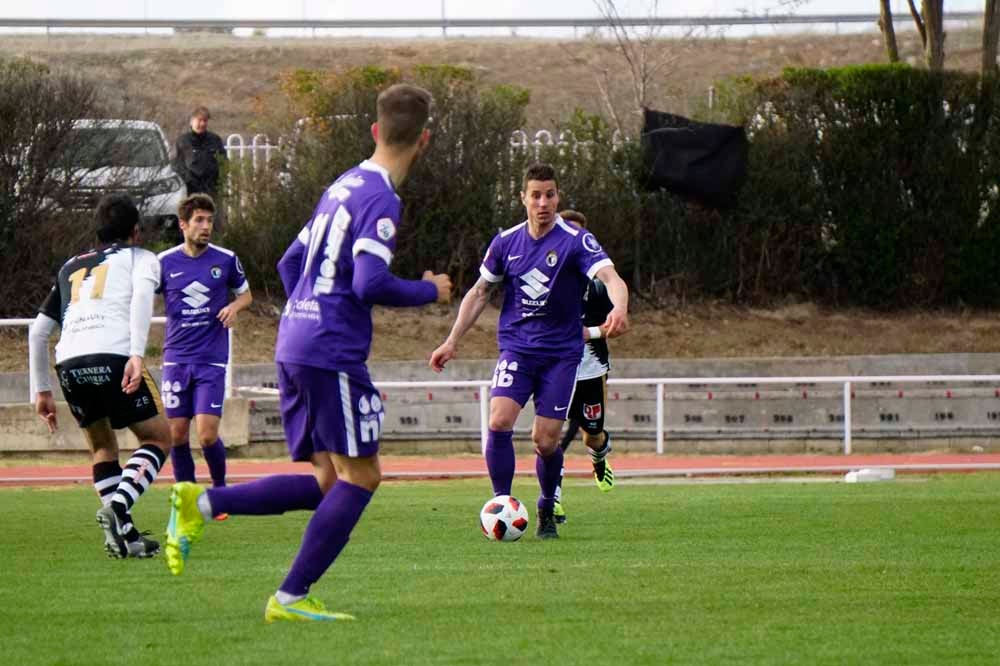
(617,322)
(374,284)
(38,363)
(468,312)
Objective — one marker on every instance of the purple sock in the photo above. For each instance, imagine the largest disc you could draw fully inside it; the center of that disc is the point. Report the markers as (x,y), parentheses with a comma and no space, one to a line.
(500,460)
(549,470)
(326,535)
(183,462)
(269,496)
(215,456)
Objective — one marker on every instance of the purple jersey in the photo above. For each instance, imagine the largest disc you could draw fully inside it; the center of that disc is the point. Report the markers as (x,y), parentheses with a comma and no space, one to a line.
(194,290)
(544,281)
(325,324)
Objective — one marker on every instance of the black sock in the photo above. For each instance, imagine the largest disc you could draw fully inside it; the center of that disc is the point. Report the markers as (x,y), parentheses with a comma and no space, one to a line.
(107,476)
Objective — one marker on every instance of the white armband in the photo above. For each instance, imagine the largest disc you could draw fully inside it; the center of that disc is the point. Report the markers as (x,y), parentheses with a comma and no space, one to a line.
(594,332)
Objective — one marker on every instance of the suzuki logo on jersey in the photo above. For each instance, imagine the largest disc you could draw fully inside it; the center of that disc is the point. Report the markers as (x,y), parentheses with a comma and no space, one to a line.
(534,284)
(195,295)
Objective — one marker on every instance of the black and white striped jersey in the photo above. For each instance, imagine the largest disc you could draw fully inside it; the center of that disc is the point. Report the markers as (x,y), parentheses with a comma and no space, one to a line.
(596,306)
(92,300)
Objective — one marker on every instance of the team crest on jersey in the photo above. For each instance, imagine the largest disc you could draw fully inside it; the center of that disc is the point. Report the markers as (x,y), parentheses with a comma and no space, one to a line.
(385,228)
(551,259)
(216,272)
(591,243)
(592,412)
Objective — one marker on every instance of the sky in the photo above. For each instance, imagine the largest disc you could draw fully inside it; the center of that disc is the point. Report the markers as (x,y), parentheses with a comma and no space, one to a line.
(330,9)
(343,9)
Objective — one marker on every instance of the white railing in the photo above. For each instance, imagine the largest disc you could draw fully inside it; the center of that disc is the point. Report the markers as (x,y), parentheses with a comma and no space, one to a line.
(26,323)
(845,382)
(259,148)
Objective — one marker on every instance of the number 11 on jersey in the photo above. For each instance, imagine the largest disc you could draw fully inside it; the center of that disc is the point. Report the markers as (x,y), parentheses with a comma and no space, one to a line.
(76,279)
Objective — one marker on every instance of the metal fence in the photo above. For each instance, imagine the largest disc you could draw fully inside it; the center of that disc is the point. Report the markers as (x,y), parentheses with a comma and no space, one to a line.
(845,384)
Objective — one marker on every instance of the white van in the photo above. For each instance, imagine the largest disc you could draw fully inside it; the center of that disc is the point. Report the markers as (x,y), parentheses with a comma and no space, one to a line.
(128,156)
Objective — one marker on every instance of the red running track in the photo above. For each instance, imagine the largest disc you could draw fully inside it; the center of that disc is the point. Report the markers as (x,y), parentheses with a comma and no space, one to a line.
(625,465)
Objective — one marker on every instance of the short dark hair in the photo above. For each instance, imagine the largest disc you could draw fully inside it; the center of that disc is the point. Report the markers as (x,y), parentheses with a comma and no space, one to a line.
(117,217)
(201,112)
(539,171)
(403,110)
(189,205)
(574,216)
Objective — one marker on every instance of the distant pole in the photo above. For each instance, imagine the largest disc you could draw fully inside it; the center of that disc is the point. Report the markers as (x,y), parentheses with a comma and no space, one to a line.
(444,16)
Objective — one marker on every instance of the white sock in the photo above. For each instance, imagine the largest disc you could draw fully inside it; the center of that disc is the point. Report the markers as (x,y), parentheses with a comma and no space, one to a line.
(598,456)
(285,599)
(205,507)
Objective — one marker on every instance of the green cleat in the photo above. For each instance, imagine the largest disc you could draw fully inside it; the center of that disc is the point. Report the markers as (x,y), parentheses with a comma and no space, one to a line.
(559,513)
(309,609)
(185,526)
(604,476)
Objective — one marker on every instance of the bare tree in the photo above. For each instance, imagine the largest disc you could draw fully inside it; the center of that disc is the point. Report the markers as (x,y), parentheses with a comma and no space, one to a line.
(888,31)
(929,20)
(991,35)
(643,62)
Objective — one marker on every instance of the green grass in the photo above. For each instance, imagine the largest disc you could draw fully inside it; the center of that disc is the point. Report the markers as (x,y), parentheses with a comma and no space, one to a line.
(797,573)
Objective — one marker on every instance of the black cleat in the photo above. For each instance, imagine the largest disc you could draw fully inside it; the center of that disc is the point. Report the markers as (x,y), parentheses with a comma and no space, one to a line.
(143,547)
(114,543)
(546,525)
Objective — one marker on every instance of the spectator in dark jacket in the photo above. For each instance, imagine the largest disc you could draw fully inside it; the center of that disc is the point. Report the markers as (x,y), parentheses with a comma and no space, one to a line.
(199,153)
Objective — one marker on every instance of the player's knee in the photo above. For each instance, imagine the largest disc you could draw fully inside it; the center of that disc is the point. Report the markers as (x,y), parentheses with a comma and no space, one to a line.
(501,423)
(544,445)
(207,436)
(368,478)
(179,433)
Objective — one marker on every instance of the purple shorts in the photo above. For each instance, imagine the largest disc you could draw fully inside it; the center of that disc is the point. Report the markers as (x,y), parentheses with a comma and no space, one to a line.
(550,378)
(326,410)
(193,388)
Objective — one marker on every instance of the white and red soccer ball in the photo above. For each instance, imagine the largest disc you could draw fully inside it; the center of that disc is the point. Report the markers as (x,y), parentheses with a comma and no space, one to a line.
(503,518)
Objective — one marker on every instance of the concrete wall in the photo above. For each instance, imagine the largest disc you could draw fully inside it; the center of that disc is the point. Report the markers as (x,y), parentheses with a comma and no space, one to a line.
(22,432)
(14,385)
(698,417)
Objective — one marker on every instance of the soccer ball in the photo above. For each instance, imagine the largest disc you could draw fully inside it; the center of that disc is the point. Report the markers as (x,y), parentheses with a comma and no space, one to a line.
(503,518)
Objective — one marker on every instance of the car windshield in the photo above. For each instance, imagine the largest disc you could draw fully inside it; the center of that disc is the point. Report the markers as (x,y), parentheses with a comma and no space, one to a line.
(95,147)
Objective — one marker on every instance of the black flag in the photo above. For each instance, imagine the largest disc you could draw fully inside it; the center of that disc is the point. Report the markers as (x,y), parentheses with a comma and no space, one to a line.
(700,161)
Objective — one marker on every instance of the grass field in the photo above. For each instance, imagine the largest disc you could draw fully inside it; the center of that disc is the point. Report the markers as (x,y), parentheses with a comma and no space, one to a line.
(797,573)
